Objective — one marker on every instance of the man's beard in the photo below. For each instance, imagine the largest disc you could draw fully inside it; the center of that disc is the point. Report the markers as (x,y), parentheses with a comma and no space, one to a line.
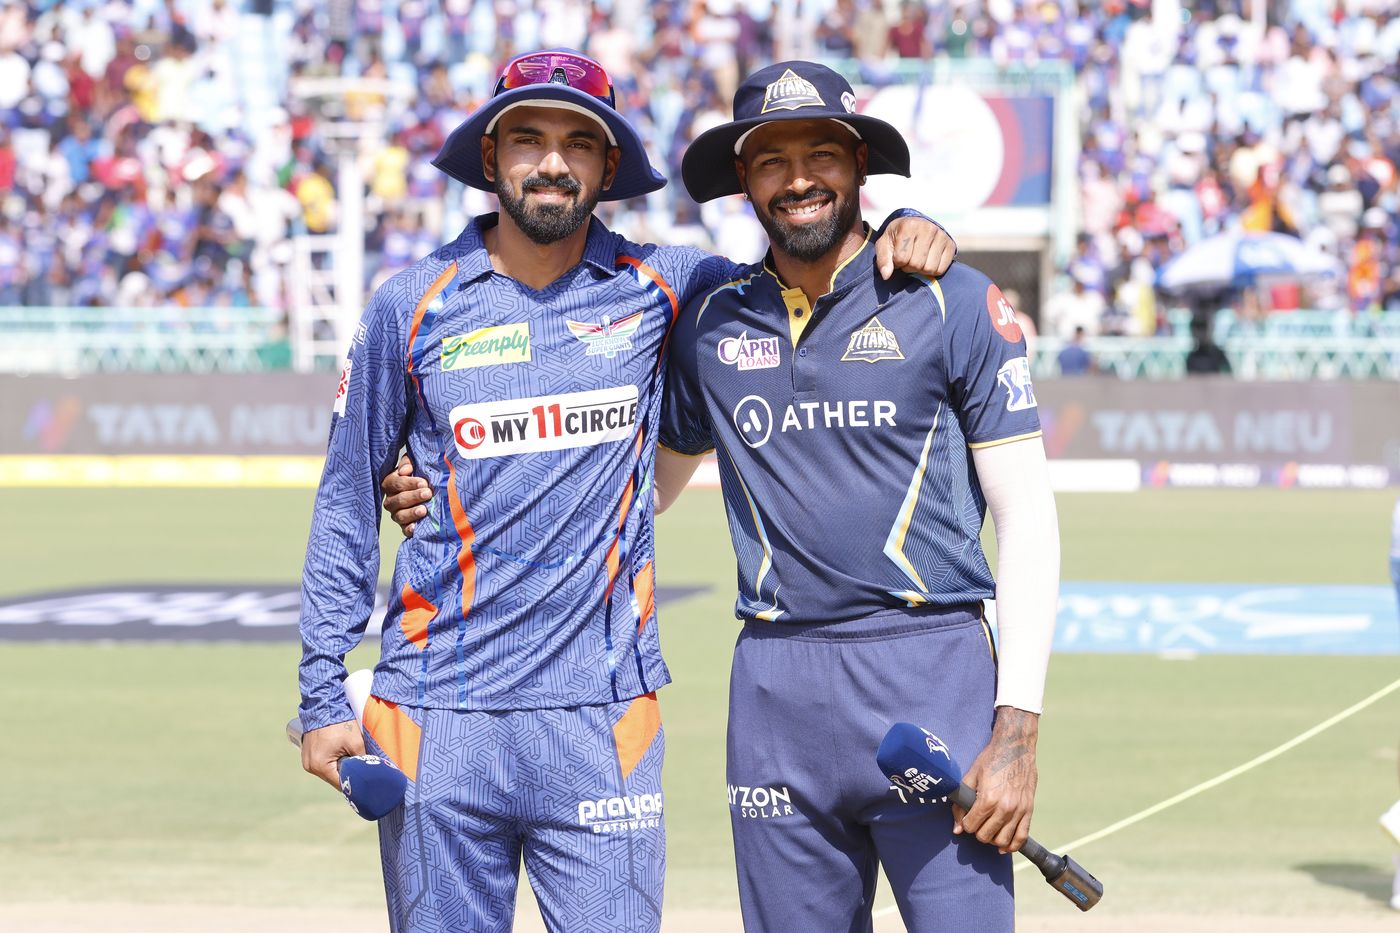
(809,242)
(545,223)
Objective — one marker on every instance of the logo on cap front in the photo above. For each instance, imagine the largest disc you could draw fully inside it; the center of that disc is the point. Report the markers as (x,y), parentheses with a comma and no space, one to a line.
(791,92)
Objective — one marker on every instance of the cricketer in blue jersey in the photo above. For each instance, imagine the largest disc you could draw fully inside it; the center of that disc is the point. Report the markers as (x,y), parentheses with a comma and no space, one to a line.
(862,426)
(521,367)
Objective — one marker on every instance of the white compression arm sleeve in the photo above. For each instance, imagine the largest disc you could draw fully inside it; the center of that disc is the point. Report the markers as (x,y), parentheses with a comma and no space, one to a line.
(1016,481)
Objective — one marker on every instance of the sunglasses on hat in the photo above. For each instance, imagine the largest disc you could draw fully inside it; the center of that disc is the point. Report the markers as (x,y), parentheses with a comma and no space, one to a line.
(576,71)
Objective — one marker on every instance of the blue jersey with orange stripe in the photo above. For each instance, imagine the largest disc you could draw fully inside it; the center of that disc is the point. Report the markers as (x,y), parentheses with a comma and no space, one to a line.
(533,416)
(843,433)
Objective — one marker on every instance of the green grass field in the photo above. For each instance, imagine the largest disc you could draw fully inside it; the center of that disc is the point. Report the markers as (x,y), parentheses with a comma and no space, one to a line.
(158,773)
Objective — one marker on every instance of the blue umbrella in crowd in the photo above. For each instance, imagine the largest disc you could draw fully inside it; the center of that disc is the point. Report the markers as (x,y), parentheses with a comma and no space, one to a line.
(1239,260)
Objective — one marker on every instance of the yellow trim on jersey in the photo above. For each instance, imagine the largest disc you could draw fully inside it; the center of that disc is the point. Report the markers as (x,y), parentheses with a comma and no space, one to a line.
(1004,440)
(847,261)
(737,285)
(773,612)
(680,453)
(799,312)
(937,290)
(799,308)
(894,544)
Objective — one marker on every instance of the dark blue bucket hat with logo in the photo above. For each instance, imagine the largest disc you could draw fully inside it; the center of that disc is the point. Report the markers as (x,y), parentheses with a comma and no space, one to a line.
(794,90)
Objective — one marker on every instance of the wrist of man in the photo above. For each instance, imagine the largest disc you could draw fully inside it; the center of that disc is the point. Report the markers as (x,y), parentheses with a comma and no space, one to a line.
(325,714)
(1013,721)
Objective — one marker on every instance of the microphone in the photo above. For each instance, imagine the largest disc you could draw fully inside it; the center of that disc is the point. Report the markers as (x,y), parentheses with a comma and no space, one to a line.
(919,762)
(373,786)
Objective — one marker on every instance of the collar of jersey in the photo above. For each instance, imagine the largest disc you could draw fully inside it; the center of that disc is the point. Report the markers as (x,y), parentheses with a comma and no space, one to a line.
(847,274)
(474,262)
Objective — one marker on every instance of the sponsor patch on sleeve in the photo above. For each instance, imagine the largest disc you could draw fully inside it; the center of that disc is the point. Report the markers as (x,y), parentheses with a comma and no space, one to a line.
(342,390)
(1003,315)
(1015,377)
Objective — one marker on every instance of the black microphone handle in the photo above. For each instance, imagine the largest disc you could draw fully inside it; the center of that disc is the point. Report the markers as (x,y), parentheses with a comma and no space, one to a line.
(1048,862)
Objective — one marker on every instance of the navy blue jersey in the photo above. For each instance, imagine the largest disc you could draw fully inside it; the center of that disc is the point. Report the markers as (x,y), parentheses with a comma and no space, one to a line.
(843,432)
(533,416)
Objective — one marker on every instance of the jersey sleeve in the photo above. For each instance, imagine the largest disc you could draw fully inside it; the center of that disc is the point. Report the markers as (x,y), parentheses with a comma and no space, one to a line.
(989,373)
(341,572)
(685,422)
(694,272)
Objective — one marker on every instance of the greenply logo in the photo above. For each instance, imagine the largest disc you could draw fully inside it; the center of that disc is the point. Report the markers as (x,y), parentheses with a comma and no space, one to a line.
(490,346)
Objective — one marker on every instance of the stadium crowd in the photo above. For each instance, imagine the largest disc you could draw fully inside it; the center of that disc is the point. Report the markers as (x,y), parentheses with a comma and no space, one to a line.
(132,173)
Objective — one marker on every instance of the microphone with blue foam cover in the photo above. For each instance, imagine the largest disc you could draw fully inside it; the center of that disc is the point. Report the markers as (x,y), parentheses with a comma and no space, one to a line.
(373,786)
(919,762)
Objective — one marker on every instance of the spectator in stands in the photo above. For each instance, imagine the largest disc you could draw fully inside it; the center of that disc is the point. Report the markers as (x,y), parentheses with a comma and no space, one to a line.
(1073,358)
(1075,310)
(1206,358)
(909,35)
(1191,127)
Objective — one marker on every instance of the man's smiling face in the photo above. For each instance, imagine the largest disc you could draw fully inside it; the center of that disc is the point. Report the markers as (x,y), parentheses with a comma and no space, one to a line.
(803,177)
(549,166)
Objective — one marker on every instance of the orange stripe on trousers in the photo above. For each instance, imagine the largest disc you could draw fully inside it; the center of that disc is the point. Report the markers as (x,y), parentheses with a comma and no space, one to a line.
(394,732)
(636,730)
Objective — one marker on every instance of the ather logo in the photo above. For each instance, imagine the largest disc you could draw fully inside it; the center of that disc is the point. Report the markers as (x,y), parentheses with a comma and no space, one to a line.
(754,420)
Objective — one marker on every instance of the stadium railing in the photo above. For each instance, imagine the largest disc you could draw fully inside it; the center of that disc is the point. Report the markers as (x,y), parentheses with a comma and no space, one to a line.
(166,339)
(1284,345)
(1257,356)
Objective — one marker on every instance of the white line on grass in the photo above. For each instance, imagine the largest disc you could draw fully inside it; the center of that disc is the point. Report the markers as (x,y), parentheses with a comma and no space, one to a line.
(1204,786)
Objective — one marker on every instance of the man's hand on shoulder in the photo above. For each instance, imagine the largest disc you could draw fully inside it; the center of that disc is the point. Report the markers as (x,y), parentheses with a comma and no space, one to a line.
(913,244)
(405,496)
(322,749)
(1004,776)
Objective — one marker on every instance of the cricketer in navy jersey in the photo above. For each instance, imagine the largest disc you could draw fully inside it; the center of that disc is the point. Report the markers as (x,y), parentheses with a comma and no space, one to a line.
(846,457)
(855,422)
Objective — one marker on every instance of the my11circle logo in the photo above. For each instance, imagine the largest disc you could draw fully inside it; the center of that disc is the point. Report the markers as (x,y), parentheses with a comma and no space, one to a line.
(470,433)
(549,422)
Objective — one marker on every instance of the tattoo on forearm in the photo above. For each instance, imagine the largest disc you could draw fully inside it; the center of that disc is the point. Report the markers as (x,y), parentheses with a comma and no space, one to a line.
(1006,755)
(1013,747)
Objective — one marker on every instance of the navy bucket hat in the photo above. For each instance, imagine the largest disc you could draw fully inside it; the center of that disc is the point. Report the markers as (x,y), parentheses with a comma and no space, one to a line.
(567,80)
(787,91)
